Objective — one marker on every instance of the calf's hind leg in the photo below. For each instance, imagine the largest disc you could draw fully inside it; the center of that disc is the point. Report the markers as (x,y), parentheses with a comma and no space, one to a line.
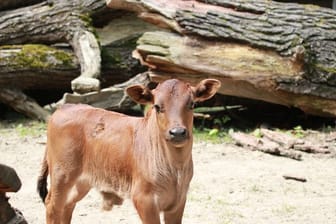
(78,191)
(65,191)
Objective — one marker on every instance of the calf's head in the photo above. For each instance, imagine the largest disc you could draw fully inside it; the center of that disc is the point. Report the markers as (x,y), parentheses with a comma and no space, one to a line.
(172,105)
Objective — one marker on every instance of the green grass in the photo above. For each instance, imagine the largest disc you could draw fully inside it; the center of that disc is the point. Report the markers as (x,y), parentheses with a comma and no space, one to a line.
(215,136)
(24,127)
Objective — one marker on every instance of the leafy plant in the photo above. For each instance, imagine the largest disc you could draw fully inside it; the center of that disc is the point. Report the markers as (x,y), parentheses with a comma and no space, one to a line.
(257,133)
(33,129)
(298,132)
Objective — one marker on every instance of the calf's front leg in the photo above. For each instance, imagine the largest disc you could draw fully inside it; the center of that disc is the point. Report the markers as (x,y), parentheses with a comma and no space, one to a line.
(146,207)
(175,216)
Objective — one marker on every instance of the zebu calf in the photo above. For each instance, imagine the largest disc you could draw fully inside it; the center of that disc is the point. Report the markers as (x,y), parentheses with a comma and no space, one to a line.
(148,159)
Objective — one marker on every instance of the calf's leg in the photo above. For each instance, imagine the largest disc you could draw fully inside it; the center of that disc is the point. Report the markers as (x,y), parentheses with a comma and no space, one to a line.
(175,217)
(146,207)
(65,190)
(79,190)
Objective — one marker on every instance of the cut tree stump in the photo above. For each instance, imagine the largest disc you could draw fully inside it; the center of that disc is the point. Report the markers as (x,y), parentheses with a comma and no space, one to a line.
(9,182)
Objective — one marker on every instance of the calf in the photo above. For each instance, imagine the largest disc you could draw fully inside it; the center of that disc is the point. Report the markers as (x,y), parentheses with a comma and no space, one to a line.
(147,159)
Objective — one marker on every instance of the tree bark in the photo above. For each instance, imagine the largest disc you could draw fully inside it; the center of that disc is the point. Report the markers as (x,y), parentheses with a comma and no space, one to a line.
(111,98)
(283,53)
(41,67)
(56,22)
(12,4)
(47,44)
(279,53)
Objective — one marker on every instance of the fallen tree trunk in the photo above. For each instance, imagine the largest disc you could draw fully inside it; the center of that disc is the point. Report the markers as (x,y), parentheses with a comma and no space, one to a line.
(58,21)
(41,67)
(277,52)
(47,44)
(23,104)
(263,145)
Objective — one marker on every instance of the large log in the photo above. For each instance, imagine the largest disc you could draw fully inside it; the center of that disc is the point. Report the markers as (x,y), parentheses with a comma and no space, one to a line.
(283,53)
(41,67)
(46,45)
(58,21)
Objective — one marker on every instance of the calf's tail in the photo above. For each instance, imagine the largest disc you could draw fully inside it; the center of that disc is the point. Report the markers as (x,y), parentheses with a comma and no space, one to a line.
(42,179)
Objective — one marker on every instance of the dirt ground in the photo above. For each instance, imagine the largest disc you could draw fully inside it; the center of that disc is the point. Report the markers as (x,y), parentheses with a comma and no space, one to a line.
(230,185)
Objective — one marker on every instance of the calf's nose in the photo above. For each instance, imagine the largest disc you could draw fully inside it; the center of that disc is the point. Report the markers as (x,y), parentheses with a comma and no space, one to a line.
(178,133)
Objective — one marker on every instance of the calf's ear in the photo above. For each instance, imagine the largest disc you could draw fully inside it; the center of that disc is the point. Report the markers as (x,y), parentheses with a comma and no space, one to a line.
(140,94)
(205,89)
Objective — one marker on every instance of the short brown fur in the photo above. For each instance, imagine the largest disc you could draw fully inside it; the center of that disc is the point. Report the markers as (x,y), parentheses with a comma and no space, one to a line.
(147,159)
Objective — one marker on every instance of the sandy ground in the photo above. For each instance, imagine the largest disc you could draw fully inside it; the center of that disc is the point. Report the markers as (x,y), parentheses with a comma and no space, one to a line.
(230,185)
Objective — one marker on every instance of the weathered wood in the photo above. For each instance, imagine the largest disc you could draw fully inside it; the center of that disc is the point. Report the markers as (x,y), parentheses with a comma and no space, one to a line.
(12,4)
(111,98)
(263,145)
(35,66)
(61,21)
(8,214)
(243,70)
(6,211)
(23,104)
(281,138)
(9,180)
(309,147)
(277,52)
(289,142)
(294,177)
(54,67)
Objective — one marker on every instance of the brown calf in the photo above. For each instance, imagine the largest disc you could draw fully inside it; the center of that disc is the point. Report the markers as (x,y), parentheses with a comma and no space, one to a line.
(147,159)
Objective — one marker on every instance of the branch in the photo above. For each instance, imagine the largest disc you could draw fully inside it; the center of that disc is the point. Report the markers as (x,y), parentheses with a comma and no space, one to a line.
(263,145)
(111,98)
(23,104)
(87,50)
(68,21)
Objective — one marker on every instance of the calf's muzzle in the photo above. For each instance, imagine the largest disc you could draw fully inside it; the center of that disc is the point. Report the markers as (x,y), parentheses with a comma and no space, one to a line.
(178,134)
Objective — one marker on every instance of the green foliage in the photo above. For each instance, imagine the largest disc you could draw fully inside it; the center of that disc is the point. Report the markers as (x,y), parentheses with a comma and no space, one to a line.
(257,133)
(24,127)
(212,135)
(298,132)
(213,132)
(32,129)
